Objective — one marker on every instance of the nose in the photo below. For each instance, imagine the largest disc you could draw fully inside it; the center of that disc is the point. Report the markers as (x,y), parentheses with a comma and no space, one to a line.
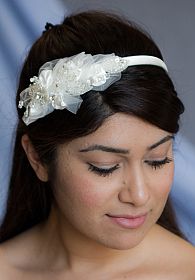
(135,189)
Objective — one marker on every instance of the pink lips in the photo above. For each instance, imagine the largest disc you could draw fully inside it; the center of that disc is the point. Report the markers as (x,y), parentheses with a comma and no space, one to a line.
(130,222)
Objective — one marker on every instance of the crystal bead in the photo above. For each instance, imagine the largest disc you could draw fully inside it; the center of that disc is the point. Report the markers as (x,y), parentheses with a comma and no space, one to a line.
(20,105)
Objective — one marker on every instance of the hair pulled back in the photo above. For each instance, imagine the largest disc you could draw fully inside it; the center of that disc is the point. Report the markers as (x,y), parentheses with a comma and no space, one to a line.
(143,91)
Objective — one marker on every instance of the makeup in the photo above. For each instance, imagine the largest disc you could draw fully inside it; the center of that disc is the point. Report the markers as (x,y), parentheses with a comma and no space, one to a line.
(129,222)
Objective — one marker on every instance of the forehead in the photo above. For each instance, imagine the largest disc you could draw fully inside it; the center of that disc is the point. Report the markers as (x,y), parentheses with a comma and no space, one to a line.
(122,131)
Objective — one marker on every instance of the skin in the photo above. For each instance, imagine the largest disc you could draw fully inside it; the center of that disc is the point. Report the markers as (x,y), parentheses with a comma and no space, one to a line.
(79,239)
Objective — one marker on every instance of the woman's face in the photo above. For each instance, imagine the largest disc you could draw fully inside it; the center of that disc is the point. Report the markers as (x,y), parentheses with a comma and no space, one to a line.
(111,186)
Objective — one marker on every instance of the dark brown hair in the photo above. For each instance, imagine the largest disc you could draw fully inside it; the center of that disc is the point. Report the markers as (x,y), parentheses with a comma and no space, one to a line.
(143,91)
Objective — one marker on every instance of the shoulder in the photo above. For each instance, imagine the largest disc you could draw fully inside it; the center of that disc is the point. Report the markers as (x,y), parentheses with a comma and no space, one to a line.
(174,254)
(6,269)
(14,253)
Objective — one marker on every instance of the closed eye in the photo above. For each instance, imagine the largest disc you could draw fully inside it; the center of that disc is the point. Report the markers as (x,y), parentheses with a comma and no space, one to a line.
(155,164)
(103,171)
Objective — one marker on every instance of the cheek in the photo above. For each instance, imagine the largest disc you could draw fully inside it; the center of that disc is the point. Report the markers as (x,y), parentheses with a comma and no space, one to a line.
(164,183)
(80,191)
(87,191)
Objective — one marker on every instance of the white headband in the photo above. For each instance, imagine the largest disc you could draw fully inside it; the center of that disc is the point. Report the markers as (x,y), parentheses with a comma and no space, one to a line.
(61,82)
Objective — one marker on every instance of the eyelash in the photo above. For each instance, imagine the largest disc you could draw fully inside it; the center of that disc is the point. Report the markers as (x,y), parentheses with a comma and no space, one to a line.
(155,164)
(103,171)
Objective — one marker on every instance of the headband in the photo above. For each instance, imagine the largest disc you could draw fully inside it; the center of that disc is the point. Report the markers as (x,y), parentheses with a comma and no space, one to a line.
(61,82)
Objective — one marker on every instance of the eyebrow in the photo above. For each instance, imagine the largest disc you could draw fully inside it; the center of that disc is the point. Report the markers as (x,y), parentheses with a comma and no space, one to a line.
(105,149)
(122,151)
(163,140)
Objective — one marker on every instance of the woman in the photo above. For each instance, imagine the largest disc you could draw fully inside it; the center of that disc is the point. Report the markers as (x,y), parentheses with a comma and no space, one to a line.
(93,162)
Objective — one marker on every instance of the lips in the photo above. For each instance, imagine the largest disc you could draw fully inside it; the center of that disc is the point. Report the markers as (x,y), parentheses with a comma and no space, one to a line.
(128,221)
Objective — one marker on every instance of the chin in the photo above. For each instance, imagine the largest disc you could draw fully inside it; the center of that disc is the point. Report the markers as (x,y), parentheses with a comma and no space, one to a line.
(121,242)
